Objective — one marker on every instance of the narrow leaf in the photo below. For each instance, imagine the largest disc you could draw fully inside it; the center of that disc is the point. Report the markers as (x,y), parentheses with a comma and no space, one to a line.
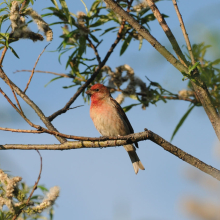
(107,30)
(127,108)
(193,67)
(181,122)
(55,3)
(13,51)
(125,44)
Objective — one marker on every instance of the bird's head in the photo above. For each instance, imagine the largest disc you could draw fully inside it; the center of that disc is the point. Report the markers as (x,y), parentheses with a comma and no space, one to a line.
(98,92)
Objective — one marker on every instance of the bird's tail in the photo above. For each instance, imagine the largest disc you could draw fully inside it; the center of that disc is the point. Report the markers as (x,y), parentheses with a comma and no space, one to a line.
(134,158)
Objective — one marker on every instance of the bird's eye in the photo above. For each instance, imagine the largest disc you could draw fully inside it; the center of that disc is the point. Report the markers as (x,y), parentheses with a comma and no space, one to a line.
(97,90)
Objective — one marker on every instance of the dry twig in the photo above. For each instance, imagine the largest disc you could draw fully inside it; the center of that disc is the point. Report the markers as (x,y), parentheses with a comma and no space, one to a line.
(31,104)
(168,32)
(34,68)
(95,50)
(184,31)
(39,71)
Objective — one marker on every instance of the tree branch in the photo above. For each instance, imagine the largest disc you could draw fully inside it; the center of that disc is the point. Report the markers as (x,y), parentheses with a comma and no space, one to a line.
(57,74)
(84,86)
(32,73)
(95,50)
(3,55)
(31,104)
(168,32)
(132,138)
(184,31)
(199,87)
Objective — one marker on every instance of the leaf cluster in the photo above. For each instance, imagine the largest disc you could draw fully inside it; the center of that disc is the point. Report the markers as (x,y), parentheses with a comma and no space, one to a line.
(209,71)
(93,25)
(20,196)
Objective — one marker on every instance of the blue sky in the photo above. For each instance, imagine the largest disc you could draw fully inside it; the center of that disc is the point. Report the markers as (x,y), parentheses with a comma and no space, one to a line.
(100,184)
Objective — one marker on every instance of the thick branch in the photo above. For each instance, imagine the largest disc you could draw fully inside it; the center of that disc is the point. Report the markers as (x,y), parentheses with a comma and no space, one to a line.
(200,89)
(129,139)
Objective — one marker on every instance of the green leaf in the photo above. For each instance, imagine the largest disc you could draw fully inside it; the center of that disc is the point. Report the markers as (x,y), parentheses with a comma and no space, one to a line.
(98,23)
(53,80)
(13,51)
(43,189)
(215,62)
(181,122)
(193,67)
(95,5)
(94,38)
(2,19)
(55,3)
(107,30)
(82,46)
(85,6)
(140,44)
(125,44)
(66,10)
(127,108)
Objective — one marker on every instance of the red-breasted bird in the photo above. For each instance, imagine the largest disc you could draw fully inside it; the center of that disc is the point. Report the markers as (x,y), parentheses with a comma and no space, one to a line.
(110,119)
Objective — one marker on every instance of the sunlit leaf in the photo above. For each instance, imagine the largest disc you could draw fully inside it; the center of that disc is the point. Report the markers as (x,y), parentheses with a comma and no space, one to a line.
(55,3)
(107,30)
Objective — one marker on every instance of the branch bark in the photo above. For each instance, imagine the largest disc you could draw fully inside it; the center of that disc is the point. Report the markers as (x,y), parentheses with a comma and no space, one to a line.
(147,134)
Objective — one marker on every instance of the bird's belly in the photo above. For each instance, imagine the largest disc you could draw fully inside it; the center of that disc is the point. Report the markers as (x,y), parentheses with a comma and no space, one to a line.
(110,124)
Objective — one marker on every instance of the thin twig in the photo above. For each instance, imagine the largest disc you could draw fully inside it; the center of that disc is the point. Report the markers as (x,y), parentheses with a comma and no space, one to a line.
(168,32)
(9,100)
(38,127)
(146,135)
(39,71)
(38,179)
(41,115)
(16,99)
(21,113)
(22,6)
(184,31)
(34,188)
(21,130)
(3,55)
(34,68)
(8,82)
(181,98)
(95,50)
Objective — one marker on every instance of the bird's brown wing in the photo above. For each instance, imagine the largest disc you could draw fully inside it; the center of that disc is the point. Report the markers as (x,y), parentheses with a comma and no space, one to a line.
(122,113)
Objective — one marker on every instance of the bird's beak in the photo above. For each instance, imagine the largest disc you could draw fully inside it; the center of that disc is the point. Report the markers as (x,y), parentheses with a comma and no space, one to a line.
(89,92)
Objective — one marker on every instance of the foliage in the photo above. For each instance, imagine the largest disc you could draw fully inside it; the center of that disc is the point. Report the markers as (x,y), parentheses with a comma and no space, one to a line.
(209,71)
(14,195)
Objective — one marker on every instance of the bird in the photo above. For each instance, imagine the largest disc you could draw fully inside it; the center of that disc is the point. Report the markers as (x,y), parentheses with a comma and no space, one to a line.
(110,119)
